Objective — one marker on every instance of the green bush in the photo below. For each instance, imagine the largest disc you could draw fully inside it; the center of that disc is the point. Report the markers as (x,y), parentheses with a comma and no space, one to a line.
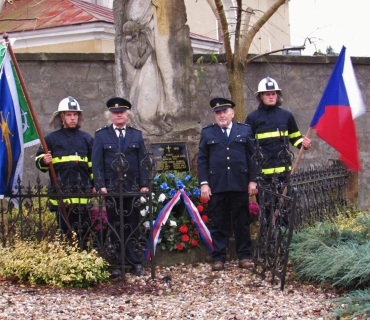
(355,305)
(333,254)
(52,263)
(337,253)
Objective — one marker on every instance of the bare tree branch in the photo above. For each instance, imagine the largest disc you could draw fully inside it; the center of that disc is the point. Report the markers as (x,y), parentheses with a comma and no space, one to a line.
(225,30)
(245,26)
(258,25)
(238,27)
(274,51)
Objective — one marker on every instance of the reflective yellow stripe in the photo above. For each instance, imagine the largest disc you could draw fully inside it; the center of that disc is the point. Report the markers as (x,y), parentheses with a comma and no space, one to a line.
(91,176)
(272,134)
(274,170)
(38,159)
(71,200)
(298,142)
(69,158)
(294,135)
(89,164)
(40,156)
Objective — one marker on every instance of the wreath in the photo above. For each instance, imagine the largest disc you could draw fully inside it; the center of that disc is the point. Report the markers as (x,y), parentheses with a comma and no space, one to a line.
(180,232)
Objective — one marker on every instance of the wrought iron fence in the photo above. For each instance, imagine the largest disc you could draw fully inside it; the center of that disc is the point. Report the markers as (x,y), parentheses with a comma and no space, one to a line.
(36,213)
(287,203)
(290,202)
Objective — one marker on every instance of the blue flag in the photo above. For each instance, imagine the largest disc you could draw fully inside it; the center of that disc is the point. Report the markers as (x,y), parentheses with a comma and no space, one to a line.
(13,126)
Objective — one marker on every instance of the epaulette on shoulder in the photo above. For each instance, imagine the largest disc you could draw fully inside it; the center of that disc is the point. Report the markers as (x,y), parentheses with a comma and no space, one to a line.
(209,126)
(246,124)
(103,127)
(134,128)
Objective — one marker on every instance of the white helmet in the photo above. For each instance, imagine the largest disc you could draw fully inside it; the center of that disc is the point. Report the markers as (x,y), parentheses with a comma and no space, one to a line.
(67,104)
(267,84)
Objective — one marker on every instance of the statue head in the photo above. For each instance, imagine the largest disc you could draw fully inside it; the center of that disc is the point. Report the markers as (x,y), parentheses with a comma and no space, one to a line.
(131,30)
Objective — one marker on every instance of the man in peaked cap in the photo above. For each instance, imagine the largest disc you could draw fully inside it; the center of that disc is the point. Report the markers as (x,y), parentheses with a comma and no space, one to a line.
(109,141)
(227,176)
(70,152)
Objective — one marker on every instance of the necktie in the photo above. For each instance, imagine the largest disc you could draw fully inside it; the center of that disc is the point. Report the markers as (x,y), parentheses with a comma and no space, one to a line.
(121,138)
(225,134)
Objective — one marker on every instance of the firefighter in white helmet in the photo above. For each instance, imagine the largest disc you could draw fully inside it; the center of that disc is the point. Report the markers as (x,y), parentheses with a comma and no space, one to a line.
(70,152)
(271,124)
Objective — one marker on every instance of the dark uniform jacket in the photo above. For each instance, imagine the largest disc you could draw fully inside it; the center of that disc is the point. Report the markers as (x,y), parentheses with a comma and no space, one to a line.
(269,125)
(71,150)
(226,167)
(105,149)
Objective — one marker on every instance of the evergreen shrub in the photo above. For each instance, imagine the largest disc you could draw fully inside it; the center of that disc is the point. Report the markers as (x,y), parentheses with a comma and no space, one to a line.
(339,254)
(334,254)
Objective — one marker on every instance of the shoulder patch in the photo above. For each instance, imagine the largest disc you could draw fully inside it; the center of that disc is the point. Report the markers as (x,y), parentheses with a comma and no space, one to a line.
(210,125)
(246,124)
(104,127)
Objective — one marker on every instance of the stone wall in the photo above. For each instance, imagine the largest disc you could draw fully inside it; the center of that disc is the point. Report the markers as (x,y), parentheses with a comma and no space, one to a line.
(90,79)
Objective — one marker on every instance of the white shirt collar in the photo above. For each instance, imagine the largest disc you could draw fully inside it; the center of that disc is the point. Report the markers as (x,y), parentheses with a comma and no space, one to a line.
(228,127)
(117,132)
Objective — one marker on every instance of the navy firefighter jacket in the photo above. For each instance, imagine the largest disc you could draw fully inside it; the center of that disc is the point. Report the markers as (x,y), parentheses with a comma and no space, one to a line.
(270,124)
(71,150)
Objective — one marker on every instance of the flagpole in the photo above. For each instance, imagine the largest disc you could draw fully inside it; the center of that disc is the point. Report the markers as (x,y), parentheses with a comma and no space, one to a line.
(295,167)
(308,134)
(37,126)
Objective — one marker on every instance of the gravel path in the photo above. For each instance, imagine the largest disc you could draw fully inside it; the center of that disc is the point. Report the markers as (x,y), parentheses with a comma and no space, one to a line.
(178,292)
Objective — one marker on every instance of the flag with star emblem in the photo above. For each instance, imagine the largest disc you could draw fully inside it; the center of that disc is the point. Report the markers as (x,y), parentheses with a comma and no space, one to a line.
(16,125)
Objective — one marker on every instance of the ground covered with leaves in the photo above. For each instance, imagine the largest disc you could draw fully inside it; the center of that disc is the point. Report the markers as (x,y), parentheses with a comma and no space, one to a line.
(178,292)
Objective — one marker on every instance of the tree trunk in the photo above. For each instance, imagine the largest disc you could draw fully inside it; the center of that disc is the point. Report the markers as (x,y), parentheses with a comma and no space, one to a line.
(237,91)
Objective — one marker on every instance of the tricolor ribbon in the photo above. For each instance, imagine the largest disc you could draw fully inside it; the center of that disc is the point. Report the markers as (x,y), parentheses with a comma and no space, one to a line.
(165,213)
(161,220)
(194,213)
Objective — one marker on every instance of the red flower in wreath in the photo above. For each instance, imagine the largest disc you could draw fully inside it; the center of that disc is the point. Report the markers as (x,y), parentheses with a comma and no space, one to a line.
(192,221)
(185,238)
(204,218)
(193,242)
(196,231)
(184,229)
(200,208)
(179,246)
(202,200)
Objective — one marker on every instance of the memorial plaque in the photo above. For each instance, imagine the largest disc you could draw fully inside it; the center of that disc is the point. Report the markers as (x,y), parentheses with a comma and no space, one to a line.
(170,157)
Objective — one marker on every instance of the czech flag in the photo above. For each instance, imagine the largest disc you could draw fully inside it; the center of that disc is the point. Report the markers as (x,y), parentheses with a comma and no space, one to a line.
(340,104)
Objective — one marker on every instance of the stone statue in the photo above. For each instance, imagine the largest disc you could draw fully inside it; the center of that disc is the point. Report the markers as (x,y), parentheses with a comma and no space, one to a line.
(147,92)
(154,67)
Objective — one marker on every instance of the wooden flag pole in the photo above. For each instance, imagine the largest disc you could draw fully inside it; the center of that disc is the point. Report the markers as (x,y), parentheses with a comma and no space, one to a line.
(295,167)
(308,134)
(37,126)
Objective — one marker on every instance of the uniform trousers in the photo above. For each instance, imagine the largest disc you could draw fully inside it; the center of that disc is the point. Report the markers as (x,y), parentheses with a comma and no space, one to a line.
(131,221)
(230,209)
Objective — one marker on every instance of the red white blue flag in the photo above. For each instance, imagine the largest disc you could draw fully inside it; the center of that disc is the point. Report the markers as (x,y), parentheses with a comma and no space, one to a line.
(340,104)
